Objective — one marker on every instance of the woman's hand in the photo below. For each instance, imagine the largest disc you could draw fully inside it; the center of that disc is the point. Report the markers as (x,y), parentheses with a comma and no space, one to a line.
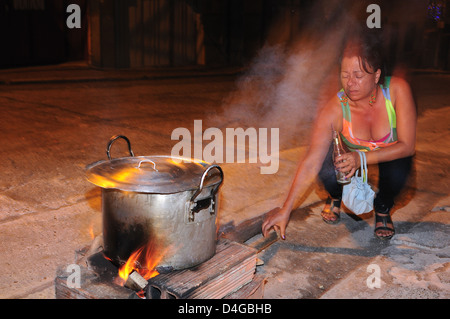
(277,219)
(348,163)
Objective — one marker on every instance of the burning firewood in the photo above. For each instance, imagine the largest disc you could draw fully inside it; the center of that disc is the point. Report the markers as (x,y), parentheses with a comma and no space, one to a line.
(136,282)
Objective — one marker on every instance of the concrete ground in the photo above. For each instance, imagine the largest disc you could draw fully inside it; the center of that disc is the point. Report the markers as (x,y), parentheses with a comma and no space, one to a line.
(55,120)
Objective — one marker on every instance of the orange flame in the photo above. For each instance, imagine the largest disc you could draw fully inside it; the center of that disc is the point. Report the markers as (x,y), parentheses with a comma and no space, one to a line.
(144,261)
(91,231)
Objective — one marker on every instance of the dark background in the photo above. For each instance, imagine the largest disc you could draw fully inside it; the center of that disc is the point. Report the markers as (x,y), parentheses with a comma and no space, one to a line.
(173,33)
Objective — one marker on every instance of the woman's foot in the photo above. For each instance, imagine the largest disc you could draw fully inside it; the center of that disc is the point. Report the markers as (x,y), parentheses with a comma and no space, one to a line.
(331,213)
(384,227)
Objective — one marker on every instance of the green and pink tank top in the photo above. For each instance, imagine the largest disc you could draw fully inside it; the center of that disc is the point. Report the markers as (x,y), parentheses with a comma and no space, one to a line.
(352,142)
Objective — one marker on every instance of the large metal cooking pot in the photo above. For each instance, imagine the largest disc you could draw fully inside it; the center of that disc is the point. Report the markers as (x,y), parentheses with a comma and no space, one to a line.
(166,202)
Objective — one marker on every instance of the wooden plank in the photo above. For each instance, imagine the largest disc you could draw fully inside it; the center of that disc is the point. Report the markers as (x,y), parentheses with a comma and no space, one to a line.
(139,34)
(107,39)
(252,290)
(146,33)
(252,227)
(94,34)
(231,267)
(262,243)
(133,38)
(163,14)
(227,282)
(245,230)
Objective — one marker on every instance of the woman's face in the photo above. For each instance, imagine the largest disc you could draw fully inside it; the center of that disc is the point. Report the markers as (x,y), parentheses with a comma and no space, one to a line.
(357,83)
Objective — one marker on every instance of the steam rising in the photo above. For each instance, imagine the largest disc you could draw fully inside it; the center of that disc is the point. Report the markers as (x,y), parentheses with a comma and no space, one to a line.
(297,71)
(284,85)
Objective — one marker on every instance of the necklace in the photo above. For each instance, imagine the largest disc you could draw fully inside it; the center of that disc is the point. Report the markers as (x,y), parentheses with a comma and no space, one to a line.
(372,100)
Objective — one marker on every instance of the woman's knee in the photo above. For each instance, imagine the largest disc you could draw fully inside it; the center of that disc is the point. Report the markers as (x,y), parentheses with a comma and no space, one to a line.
(394,174)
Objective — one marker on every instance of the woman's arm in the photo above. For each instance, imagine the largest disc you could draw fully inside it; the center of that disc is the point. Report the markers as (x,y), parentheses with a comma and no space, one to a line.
(307,170)
(406,115)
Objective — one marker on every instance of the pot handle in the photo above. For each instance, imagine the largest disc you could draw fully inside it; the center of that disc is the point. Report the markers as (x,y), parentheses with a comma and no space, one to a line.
(113,139)
(200,188)
(147,161)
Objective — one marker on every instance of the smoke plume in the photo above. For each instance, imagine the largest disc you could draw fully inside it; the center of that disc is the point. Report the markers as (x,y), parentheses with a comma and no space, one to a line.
(296,71)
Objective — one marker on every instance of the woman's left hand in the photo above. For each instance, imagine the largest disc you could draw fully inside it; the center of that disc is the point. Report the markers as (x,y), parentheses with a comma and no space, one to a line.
(348,163)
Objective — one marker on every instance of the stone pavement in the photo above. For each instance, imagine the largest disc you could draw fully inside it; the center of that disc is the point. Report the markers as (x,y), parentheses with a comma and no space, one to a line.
(47,212)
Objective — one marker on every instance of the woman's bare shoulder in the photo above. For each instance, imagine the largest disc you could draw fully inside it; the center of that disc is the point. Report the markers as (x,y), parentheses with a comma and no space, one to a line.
(399,89)
(399,85)
(331,112)
(332,104)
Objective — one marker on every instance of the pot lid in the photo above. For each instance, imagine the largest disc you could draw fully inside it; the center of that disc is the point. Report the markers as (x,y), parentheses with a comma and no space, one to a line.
(151,174)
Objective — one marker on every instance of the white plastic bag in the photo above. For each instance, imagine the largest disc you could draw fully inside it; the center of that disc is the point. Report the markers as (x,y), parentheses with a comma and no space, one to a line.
(358,195)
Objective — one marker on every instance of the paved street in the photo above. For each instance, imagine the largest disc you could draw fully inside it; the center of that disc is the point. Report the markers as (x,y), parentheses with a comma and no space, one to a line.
(55,121)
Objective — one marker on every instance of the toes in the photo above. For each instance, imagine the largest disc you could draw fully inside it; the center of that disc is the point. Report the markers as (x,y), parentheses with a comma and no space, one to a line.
(329,217)
(384,233)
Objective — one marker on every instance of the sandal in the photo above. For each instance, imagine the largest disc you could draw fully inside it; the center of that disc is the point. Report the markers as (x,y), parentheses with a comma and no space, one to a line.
(330,213)
(384,218)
